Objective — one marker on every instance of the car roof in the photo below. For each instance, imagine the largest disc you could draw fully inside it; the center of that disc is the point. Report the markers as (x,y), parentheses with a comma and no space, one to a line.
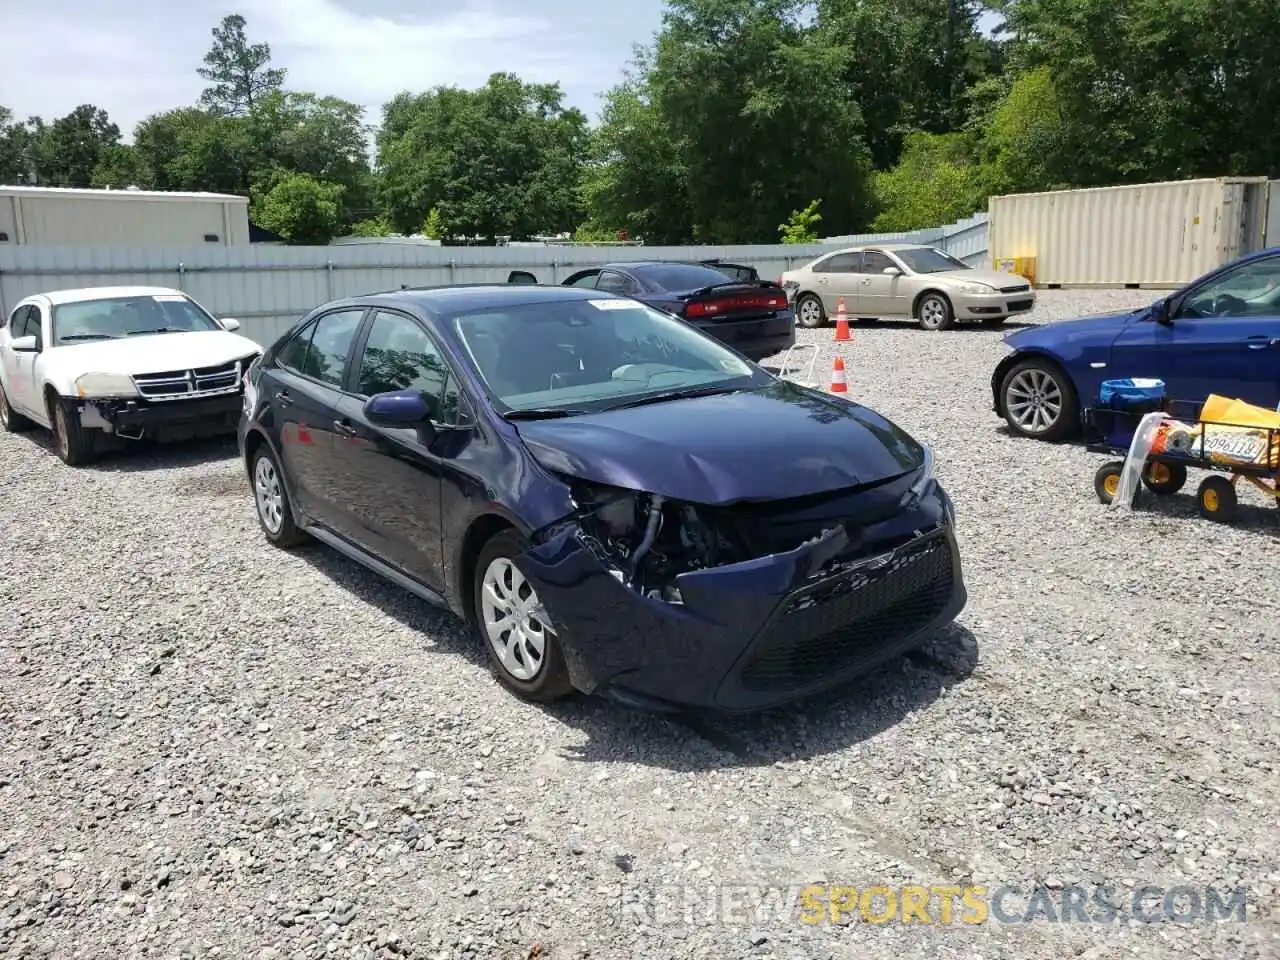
(879,246)
(86,294)
(464,297)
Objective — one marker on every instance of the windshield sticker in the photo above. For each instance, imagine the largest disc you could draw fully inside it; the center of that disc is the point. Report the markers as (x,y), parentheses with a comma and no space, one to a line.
(614,304)
(169,298)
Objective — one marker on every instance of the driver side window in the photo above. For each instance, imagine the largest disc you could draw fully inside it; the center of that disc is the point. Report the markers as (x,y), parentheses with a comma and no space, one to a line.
(1252,289)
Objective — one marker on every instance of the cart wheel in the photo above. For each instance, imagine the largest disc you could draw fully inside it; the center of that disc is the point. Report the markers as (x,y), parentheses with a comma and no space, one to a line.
(1106,482)
(1164,478)
(1218,500)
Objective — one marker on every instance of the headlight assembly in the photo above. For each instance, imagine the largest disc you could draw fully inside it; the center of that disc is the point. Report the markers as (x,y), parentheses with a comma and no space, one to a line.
(95,386)
(977,288)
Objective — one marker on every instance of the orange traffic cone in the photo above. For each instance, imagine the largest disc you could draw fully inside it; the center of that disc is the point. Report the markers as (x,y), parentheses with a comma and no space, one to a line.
(842,321)
(838,382)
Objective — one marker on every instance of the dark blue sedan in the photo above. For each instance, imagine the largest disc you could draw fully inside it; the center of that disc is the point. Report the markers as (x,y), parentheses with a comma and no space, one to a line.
(1219,334)
(726,300)
(614,501)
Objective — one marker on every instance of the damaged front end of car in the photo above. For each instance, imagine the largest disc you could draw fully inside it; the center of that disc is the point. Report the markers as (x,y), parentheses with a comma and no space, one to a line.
(737,606)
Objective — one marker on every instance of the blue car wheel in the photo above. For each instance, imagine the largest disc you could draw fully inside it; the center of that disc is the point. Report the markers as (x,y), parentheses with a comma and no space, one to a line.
(1039,401)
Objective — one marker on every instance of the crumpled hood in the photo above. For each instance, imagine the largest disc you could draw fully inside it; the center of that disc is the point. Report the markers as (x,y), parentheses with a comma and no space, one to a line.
(1105,328)
(151,353)
(775,443)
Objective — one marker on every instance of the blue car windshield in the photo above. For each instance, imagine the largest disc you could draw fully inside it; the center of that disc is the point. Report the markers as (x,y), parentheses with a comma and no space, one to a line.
(593,354)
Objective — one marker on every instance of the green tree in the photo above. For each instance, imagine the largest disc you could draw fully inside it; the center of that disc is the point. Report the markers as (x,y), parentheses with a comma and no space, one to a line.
(195,149)
(373,227)
(118,167)
(239,73)
(802,225)
(301,209)
(72,146)
(434,227)
(935,183)
(20,148)
(504,160)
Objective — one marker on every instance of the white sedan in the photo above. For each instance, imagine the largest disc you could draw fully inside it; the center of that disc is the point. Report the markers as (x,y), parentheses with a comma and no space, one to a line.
(131,362)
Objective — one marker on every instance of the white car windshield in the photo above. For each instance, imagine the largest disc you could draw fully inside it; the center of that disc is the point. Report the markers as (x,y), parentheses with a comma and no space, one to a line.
(929,260)
(584,355)
(117,317)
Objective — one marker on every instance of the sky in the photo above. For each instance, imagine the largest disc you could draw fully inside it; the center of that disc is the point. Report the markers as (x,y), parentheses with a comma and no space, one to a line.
(140,57)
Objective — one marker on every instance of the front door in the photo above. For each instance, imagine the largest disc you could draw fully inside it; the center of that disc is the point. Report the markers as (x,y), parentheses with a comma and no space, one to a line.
(1224,338)
(837,278)
(306,386)
(19,366)
(392,475)
(881,295)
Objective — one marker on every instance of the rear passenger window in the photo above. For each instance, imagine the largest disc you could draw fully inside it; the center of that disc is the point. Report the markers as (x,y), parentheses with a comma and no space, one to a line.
(322,353)
(293,355)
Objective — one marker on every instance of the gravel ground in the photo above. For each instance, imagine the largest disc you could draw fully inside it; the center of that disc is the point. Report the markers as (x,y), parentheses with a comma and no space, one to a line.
(216,749)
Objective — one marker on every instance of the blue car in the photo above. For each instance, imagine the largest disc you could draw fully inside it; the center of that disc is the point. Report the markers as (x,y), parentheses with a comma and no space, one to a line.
(1220,334)
(613,500)
(727,300)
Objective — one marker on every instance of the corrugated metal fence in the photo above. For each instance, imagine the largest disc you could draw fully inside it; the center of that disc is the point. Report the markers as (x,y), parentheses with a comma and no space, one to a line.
(267,288)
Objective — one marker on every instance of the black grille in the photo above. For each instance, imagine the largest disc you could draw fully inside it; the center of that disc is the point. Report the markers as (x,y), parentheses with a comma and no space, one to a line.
(1020,304)
(851,621)
(1019,288)
(174,384)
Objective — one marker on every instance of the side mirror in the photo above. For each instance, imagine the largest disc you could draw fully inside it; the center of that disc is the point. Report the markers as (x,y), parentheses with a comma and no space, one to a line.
(891,272)
(230,324)
(1161,313)
(522,276)
(25,345)
(398,408)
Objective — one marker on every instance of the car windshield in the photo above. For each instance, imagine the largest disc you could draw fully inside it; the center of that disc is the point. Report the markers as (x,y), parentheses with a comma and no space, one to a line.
(929,260)
(116,317)
(586,355)
(680,276)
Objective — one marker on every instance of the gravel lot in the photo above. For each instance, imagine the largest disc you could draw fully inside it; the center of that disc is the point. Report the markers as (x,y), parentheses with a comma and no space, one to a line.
(216,749)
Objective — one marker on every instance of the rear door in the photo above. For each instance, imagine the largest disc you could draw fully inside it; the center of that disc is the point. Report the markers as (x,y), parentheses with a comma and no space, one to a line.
(1224,339)
(392,475)
(305,387)
(838,276)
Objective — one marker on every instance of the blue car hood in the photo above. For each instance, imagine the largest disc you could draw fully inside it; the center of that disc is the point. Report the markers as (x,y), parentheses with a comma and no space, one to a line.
(1105,327)
(774,443)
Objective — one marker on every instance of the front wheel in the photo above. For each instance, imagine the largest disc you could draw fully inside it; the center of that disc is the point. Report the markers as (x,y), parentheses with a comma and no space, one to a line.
(523,644)
(1039,401)
(75,445)
(1218,499)
(809,311)
(934,312)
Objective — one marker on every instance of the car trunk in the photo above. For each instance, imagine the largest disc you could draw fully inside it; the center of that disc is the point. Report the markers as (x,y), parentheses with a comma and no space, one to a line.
(733,302)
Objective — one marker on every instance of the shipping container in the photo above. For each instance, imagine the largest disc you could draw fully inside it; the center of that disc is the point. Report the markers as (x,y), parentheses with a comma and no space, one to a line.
(1159,235)
(57,217)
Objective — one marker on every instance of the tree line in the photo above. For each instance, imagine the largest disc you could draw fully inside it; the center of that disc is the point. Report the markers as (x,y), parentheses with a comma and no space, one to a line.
(743,121)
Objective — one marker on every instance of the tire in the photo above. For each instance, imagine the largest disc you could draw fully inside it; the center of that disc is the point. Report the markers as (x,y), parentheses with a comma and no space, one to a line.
(934,312)
(810,313)
(74,445)
(1106,482)
(538,677)
(271,500)
(1218,499)
(10,419)
(1058,403)
(1164,479)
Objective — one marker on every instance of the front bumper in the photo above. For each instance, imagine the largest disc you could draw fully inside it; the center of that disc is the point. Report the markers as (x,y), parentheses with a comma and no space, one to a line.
(756,634)
(983,306)
(163,420)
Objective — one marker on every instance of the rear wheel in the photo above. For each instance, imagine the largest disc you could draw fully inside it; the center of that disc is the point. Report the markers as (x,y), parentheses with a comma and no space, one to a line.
(522,643)
(1164,478)
(271,499)
(10,419)
(1106,482)
(74,444)
(809,311)
(1218,499)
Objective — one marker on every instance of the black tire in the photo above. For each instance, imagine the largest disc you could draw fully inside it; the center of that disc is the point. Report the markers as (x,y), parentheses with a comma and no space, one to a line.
(934,312)
(1164,479)
(1218,499)
(10,419)
(271,496)
(74,445)
(1106,482)
(1032,371)
(550,679)
(810,312)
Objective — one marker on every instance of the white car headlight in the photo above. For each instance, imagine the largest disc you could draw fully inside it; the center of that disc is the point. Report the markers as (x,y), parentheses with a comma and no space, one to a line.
(977,288)
(105,385)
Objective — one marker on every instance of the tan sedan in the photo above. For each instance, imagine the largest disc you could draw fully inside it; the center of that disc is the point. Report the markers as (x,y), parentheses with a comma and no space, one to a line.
(901,280)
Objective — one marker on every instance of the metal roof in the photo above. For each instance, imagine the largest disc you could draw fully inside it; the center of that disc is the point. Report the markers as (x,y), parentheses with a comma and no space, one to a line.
(72,193)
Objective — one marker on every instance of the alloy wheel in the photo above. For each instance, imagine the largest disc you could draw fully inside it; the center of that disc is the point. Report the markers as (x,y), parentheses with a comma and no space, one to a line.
(269,493)
(514,621)
(809,311)
(933,312)
(1034,400)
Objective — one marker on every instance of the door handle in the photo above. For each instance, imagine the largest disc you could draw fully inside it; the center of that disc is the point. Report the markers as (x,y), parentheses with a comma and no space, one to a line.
(282,397)
(345,428)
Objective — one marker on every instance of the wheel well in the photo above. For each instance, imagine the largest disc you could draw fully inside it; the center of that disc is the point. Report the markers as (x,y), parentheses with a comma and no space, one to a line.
(481,531)
(1009,362)
(252,441)
(915,306)
(51,397)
